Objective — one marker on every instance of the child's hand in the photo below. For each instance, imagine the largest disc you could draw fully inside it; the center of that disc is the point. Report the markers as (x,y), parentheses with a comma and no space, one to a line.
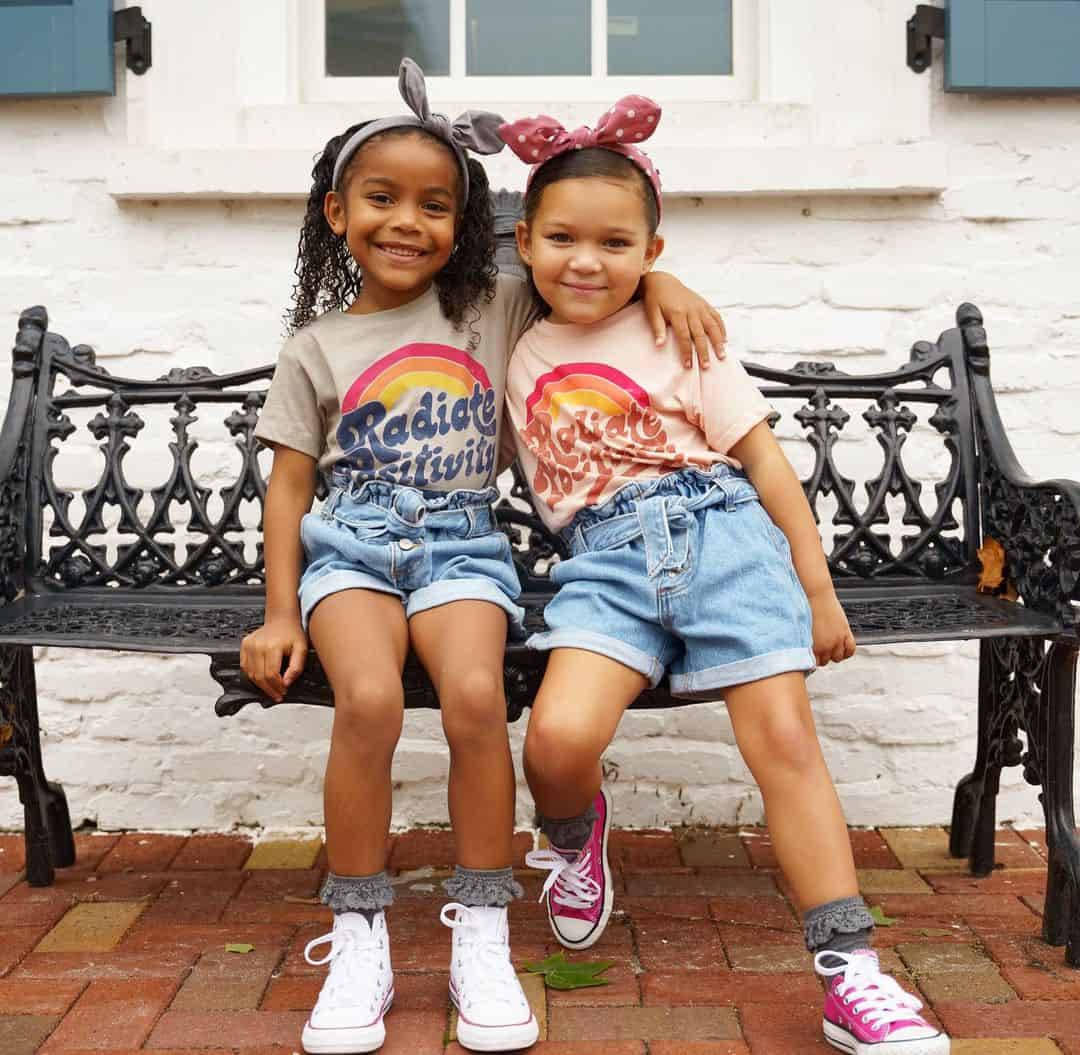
(694,321)
(263,650)
(832,634)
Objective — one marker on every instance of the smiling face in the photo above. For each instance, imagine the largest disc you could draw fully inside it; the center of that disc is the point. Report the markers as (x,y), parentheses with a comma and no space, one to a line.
(588,244)
(397,210)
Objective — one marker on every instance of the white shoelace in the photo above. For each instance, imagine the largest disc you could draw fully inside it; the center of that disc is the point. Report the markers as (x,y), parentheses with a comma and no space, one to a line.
(352,962)
(875,997)
(486,958)
(569,881)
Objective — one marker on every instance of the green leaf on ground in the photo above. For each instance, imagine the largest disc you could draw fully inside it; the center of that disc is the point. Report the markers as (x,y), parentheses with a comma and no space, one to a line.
(239,946)
(880,918)
(561,973)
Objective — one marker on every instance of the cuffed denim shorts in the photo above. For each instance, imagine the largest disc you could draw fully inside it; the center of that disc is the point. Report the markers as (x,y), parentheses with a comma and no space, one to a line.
(428,548)
(686,573)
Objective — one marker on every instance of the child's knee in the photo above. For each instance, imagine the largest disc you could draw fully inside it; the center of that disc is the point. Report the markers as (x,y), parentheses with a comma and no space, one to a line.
(554,752)
(788,743)
(473,704)
(368,713)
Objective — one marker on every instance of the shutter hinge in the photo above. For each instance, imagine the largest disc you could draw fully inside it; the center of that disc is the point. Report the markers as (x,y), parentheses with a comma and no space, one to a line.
(133,30)
(927,22)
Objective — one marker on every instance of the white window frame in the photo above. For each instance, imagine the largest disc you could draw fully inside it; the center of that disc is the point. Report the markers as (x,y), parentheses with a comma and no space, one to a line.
(740,85)
(249,134)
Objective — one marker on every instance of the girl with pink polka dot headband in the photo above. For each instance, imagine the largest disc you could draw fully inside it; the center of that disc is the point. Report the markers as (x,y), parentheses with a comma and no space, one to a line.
(632,119)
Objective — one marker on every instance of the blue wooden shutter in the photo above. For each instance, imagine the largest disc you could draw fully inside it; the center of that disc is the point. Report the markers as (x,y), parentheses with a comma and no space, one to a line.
(1012,45)
(56,47)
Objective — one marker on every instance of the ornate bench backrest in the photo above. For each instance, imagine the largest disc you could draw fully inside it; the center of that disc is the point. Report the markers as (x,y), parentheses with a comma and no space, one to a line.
(147,484)
(160,484)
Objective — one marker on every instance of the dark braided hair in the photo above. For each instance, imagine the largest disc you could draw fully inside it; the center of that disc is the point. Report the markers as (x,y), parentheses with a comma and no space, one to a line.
(328,278)
(590,163)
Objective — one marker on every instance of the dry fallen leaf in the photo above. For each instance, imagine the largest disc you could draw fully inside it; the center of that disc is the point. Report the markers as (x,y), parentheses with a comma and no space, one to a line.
(992,558)
(992,577)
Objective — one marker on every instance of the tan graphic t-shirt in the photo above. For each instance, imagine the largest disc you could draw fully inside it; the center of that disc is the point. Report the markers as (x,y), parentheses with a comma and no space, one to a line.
(595,407)
(399,395)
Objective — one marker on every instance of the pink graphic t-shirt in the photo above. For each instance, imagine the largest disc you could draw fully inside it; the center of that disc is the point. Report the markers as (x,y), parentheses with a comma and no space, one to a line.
(596,407)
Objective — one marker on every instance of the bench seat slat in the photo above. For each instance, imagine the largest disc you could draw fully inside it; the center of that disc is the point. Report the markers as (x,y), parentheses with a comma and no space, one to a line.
(214,625)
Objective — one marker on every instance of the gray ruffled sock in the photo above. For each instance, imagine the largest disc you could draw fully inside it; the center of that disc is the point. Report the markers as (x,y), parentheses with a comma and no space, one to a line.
(569,833)
(364,894)
(483,887)
(838,926)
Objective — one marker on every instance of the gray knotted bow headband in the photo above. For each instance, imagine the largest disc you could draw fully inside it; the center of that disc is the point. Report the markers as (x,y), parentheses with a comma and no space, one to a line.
(475,130)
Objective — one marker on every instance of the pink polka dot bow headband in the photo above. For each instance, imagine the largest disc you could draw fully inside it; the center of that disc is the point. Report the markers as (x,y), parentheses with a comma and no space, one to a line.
(632,119)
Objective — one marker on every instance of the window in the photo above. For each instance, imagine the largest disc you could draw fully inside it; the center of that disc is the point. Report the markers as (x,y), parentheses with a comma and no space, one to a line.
(513,50)
(365,38)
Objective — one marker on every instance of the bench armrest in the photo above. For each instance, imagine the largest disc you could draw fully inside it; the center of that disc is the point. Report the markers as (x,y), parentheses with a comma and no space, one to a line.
(1036,521)
(15,450)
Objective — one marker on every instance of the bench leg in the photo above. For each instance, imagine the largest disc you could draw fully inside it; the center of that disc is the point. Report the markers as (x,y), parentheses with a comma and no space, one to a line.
(1012,700)
(971,833)
(1061,917)
(50,843)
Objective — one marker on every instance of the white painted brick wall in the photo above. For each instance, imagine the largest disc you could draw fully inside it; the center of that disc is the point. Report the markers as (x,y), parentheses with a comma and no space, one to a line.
(153,285)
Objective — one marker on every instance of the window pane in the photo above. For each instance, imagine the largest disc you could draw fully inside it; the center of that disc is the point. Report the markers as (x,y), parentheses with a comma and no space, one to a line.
(528,39)
(675,37)
(368,38)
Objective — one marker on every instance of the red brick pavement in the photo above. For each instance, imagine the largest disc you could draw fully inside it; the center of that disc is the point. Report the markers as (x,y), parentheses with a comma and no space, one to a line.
(126,953)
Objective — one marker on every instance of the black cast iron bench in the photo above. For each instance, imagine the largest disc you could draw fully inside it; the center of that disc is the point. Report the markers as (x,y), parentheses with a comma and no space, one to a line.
(177,568)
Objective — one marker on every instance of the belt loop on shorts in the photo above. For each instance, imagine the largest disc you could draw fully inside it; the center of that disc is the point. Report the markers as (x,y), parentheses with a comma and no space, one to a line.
(481,519)
(333,500)
(657,516)
(723,492)
(408,511)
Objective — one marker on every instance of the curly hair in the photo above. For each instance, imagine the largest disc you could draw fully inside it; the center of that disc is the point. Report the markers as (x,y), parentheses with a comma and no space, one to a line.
(328,278)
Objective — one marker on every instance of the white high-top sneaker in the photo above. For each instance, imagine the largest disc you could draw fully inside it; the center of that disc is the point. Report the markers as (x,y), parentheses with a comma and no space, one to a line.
(358,991)
(493,1013)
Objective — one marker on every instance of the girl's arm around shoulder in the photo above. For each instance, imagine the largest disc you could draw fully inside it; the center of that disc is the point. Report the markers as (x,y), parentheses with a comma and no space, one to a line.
(288,497)
(693,320)
(783,498)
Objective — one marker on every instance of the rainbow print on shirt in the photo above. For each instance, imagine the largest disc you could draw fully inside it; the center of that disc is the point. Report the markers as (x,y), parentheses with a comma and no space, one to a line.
(422,415)
(585,386)
(591,421)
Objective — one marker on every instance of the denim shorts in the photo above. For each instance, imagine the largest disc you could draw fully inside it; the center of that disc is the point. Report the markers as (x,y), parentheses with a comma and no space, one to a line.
(687,573)
(428,548)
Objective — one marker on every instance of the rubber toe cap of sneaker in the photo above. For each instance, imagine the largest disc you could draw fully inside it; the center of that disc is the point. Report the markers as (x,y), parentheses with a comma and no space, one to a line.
(572,930)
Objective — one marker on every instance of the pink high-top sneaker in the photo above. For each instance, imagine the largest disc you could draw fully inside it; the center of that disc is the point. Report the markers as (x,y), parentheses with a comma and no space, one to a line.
(868,1013)
(578,888)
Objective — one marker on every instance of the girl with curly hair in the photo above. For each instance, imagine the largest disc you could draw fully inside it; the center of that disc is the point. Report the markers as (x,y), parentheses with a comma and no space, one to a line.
(391,384)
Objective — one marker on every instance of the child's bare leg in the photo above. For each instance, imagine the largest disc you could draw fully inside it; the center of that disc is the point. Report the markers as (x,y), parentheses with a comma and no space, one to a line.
(574,718)
(864,1010)
(362,639)
(774,728)
(461,645)
(576,713)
